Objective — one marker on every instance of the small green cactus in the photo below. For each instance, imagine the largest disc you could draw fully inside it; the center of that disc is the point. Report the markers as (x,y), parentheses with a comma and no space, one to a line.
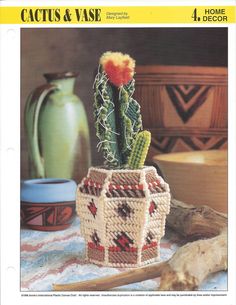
(140,150)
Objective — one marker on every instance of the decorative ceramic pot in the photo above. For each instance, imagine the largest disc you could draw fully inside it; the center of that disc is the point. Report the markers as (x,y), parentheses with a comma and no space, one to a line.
(185,107)
(47,204)
(122,215)
(57,130)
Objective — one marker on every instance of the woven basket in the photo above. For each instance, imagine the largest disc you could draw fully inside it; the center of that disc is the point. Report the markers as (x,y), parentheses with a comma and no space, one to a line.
(122,215)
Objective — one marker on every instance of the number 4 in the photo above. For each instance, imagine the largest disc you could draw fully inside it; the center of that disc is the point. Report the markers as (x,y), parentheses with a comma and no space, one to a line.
(194,15)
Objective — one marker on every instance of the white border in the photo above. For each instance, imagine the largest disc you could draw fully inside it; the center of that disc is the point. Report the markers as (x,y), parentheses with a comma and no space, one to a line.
(120,3)
(10,169)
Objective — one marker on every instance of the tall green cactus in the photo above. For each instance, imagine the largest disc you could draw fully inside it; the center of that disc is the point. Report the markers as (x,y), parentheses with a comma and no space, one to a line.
(117,118)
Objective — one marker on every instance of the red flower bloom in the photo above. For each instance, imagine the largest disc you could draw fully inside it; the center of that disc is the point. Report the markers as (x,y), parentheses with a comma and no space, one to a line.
(118,67)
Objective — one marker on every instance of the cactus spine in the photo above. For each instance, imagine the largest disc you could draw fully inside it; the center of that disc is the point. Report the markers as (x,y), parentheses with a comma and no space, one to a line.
(117,114)
(140,150)
(117,119)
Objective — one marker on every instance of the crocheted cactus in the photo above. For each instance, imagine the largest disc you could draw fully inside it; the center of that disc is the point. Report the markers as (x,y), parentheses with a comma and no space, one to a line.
(117,113)
(140,150)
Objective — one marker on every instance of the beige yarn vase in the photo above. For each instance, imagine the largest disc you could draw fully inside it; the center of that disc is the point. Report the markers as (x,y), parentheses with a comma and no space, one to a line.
(122,214)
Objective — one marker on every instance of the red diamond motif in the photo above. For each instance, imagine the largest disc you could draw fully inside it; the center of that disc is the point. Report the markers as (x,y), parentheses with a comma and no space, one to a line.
(152,208)
(123,241)
(149,237)
(92,208)
(95,238)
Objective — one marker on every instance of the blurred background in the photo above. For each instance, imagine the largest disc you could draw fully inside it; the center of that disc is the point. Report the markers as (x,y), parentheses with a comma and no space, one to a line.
(56,50)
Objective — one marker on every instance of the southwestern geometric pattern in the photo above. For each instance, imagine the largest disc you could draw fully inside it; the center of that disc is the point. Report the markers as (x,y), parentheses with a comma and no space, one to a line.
(123,241)
(187,98)
(152,207)
(184,107)
(166,144)
(124,210)
(124,230)
(92,208)
(149,237)
(55,216)
(95,239)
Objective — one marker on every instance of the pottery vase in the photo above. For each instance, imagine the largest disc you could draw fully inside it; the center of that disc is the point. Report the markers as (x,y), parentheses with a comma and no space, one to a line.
(57,130)
(122,214)
(47,204)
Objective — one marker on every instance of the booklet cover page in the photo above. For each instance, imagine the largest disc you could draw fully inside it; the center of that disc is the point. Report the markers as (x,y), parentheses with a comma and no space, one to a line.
(117,152)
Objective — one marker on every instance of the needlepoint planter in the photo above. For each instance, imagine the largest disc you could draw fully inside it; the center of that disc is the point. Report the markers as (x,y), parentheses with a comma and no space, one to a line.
(122,215)
(123,206)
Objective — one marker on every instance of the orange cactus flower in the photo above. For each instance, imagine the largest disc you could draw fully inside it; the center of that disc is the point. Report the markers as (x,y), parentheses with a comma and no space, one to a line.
(118,67)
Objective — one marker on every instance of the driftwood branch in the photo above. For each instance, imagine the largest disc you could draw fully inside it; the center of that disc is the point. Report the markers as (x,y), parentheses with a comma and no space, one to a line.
(189,266)
(108,282)
(192,263)
(195,222)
